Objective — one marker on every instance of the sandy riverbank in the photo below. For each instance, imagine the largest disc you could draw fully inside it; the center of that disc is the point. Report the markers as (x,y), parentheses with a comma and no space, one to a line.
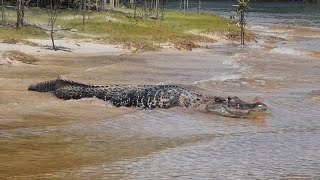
(68,47)
(72,47)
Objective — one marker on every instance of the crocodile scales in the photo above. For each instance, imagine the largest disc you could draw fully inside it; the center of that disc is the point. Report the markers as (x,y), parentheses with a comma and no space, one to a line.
(149,96)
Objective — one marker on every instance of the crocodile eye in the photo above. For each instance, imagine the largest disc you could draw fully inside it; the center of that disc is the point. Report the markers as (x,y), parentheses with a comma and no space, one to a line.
(218,99)
(231,102)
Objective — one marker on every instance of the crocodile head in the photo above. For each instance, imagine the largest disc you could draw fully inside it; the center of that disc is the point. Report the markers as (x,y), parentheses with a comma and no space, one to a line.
(234,107)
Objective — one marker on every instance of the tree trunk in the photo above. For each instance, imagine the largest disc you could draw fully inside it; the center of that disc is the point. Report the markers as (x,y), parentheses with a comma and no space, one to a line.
(187,4)
(20,13)
(199,7)
(135,9)
(242,27)
(2,10)
(111,4)
(84,13)
(80,5)
(157,8)
(52,40)
(89,10)
(145,7)
(104,4)
(52,19)
(117,3)
(132,4)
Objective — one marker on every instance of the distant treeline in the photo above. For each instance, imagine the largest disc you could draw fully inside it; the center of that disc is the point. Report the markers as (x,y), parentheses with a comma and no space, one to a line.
(103,4)
(95,4)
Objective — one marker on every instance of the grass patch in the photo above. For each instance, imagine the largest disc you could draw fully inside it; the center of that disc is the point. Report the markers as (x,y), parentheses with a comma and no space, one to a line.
(26,32)
(176,28)
(189,21)
(21,57)
(181,29)
(19,41)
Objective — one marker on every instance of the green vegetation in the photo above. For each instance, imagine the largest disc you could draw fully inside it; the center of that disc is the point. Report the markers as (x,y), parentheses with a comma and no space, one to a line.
(241,8)
(188,21)
(182,29)
(8,32)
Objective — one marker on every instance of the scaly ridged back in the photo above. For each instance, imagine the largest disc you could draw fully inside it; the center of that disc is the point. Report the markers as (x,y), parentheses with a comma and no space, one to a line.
(52,85)
(145,96)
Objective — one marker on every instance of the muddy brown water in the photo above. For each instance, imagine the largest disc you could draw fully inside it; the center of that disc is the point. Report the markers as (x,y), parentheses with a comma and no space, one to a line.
(45,137)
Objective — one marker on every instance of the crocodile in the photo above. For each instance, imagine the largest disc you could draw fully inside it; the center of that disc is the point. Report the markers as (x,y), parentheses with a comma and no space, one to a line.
(150,97)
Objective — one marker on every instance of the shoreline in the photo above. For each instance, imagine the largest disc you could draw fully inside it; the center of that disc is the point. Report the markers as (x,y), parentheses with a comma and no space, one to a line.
(90,47)
(86,47)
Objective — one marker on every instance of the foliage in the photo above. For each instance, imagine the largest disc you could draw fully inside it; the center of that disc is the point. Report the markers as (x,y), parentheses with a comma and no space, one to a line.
(241,8)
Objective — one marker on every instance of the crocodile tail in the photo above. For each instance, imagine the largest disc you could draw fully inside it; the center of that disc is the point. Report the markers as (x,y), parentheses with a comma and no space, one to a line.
(46,86)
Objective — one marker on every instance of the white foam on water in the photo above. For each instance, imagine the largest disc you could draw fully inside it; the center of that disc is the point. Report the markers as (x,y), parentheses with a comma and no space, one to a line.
(311,36)
(231,62)
(237,62)
(267,31)
(287,50)
(259,28)
(256,45)
(221,78)
(278,34)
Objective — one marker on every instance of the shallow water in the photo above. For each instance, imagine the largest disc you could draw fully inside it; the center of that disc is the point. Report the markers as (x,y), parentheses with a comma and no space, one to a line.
(45,137)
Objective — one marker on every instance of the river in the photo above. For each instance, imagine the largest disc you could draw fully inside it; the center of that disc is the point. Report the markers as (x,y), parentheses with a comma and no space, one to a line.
(44,137)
